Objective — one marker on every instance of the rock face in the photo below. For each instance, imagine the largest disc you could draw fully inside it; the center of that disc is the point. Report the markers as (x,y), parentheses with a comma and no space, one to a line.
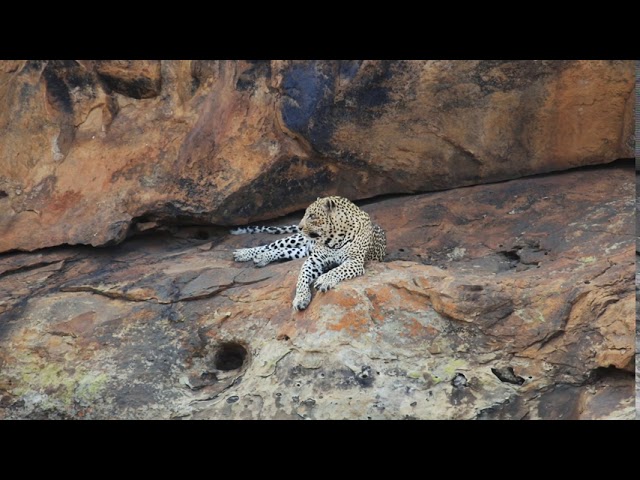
(510,300)
(89,150)
(637,289)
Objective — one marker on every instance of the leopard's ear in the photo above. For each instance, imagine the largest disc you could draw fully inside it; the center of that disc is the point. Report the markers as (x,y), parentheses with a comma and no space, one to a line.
(330,205)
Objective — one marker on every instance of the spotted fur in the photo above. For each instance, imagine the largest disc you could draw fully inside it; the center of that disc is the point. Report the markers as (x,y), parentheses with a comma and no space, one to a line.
(295,246)
(274,230)
(337,235)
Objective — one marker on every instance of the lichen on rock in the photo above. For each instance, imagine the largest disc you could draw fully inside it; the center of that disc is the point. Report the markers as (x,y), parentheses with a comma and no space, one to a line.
(534,320)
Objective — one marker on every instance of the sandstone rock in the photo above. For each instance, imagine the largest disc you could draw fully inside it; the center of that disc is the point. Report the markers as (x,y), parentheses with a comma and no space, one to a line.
(512,300)
(637,290)
(135,79)
(88,149)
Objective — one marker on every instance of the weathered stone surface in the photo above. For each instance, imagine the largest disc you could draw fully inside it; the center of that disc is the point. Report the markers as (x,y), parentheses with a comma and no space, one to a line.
(89,149)
(637,291)
(512,300)
(135,79)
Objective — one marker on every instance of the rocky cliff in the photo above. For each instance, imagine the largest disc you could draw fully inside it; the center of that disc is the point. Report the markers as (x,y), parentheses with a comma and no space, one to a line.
(91,151)
(510,300)
(637,282)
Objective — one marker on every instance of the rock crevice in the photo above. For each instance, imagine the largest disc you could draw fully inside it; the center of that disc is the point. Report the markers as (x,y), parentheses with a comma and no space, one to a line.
(444,328)
(88,146)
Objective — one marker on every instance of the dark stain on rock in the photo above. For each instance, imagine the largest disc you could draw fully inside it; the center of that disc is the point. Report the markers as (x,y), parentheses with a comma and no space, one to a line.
(249,78)
(329,379)
(280,178)
(297,371)
(137,88)
(349,68)
(512,408)
(463,389)
(304,86)
(33,65)
(136,395)
(26,93)
(505,75)
(461,394)
(40,413)
(63,76)
(58,94)
(472,288)
(371,90)
(351,159)
(310,106)
(560,403)
(128,173)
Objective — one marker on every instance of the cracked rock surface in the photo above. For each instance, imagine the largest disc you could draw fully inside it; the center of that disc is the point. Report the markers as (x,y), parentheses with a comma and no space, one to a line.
(509,300)
(92,151)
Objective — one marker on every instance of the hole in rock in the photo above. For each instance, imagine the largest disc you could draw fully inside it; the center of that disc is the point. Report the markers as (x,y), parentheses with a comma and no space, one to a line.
(202,235)
(507,375)
(610,372)
(230,356)
(3,194)
(511,255)
(459,381)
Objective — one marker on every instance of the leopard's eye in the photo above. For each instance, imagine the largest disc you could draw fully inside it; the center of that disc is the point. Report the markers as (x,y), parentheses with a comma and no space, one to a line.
(312,216)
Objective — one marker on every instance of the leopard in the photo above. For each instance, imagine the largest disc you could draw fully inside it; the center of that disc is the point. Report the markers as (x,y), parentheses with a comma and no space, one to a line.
(335,235)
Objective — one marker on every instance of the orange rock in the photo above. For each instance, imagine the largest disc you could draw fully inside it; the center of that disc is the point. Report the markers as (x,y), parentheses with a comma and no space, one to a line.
(91,148)
(509,300)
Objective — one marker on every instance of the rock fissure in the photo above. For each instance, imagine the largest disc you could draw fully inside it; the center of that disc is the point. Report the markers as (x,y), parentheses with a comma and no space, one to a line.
(525,276)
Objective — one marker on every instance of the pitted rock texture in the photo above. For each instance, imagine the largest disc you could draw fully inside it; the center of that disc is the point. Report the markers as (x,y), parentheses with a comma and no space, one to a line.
(92,151)
(511,300)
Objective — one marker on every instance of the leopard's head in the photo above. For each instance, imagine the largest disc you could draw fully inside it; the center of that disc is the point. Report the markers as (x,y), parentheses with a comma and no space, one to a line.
(316,222)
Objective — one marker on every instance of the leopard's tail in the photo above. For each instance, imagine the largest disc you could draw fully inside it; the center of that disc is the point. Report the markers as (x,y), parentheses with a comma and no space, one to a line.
(274,230)
(378,249)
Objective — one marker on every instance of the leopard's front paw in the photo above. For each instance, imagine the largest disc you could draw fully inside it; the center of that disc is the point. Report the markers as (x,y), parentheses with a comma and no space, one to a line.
(302,300)
(261,260)
(243,254)
(325,282)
